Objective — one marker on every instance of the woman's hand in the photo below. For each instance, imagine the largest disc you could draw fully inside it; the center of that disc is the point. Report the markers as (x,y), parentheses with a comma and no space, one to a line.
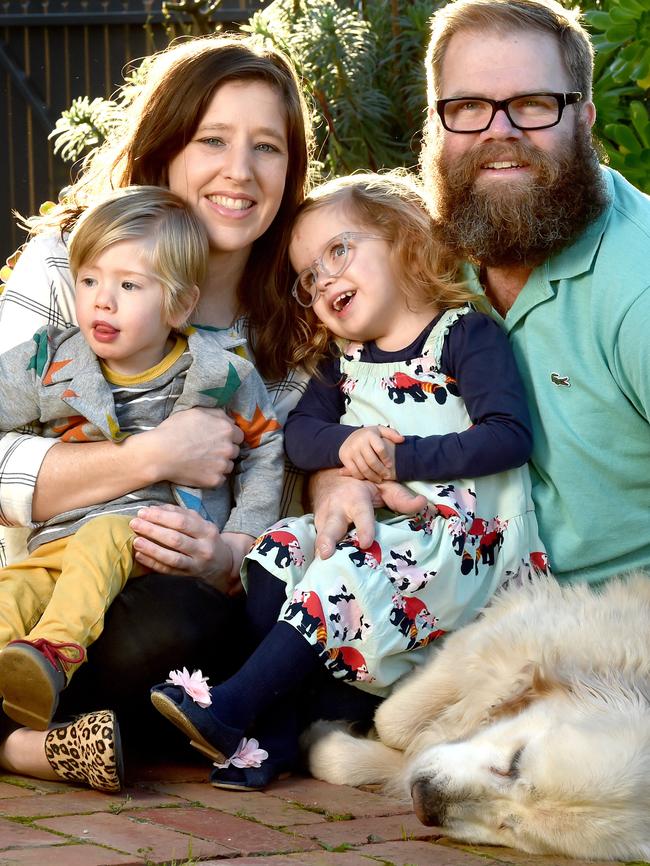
(175,540)
(194,448)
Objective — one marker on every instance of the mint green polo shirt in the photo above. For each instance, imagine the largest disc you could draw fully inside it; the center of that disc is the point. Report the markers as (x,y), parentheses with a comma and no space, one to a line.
(580,331)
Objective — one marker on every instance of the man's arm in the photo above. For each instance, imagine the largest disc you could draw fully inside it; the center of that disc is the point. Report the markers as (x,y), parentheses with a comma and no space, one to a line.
(632,355)
(340,502)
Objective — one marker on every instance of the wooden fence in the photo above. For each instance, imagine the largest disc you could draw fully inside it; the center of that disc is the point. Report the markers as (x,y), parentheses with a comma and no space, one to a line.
(52,51)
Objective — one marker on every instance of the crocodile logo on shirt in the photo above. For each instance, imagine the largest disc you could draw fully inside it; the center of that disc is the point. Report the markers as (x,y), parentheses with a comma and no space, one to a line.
(562,381)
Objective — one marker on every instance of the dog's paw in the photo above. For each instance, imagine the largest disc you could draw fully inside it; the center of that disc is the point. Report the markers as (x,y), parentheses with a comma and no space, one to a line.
(394,724)
(319,730)
(341,759)
(331,753)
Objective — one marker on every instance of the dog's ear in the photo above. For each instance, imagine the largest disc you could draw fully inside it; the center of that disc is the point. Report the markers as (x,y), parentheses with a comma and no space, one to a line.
(532,683)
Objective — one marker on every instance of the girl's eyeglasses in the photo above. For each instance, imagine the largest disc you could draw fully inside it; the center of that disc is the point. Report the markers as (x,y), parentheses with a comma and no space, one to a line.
(333,261)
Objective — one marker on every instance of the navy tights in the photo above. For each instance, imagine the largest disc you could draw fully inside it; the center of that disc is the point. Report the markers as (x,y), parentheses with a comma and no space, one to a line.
(268,692)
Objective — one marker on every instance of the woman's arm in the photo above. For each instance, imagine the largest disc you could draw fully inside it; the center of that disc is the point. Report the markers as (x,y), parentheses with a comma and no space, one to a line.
(194,448)
(39,292)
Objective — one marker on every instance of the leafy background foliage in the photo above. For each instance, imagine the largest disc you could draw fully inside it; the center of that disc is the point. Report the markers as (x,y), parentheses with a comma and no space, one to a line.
(621,35)
(362,63)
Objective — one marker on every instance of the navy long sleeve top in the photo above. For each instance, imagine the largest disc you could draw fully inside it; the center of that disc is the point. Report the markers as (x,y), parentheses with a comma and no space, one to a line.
(476,353)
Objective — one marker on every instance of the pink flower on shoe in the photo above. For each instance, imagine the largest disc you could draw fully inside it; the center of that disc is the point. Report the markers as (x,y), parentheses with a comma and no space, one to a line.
(195,685)
(248,754)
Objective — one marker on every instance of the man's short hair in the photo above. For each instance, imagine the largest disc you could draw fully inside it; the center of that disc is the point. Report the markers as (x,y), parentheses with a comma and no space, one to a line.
(506,16)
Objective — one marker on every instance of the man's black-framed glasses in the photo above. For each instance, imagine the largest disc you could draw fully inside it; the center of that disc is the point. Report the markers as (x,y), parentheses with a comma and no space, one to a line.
(465,114)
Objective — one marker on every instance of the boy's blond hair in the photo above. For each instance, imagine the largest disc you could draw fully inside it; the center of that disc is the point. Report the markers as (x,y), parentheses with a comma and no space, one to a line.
(174,241)
(506,16)
(394,206)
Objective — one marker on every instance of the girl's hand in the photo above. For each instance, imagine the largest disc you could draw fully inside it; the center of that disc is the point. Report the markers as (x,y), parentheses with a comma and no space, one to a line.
(368,454)
(194,448)
(175,540)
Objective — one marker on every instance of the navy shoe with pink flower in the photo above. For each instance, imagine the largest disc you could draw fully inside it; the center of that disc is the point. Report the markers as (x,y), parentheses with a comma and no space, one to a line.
(185,700)
(249,769)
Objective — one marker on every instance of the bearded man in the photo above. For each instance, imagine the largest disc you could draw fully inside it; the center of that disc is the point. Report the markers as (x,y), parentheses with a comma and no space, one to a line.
(559,246)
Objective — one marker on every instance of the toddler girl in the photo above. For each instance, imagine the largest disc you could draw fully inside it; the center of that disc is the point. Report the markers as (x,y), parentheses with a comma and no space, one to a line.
(422,390)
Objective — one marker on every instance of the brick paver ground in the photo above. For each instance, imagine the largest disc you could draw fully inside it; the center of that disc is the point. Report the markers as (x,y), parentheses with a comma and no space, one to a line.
(170,814)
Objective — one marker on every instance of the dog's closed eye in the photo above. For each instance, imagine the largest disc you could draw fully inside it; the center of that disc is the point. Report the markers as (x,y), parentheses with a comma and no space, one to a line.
(512,771)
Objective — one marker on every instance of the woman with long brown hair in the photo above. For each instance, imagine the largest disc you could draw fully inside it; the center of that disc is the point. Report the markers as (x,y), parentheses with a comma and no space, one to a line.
(221,122)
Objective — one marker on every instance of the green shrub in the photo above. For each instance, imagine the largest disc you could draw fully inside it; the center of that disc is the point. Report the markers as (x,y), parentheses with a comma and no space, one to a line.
(363,64)
(621,36)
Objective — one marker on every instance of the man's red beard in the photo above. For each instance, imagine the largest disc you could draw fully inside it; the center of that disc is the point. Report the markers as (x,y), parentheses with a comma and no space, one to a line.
(523,222)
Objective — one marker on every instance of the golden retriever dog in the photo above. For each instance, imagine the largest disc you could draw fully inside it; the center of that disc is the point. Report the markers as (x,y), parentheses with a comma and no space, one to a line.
(529,728)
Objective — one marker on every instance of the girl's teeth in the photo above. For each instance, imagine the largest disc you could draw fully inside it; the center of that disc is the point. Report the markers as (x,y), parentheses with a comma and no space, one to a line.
(339,302)
(231,203)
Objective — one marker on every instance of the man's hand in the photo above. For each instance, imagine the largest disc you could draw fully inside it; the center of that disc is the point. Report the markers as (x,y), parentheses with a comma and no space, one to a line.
(339,502)
(400,499)
(368,454)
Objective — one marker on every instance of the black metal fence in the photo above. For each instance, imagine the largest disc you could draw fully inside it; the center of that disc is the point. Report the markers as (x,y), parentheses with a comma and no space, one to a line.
(52,51)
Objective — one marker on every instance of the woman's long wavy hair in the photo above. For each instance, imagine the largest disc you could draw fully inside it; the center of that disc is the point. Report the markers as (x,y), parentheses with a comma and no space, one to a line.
(161,120)
(394,206)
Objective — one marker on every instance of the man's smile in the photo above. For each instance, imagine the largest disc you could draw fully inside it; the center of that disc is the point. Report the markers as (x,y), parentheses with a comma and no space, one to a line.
(503,165)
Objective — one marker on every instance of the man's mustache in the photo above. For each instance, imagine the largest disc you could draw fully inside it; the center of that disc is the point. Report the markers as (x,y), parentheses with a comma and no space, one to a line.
(465,168)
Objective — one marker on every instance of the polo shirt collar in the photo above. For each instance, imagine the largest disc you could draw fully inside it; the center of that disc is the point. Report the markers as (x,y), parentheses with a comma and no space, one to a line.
(579,257)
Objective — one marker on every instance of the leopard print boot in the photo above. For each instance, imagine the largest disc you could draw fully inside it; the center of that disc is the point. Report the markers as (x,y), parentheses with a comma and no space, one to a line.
(88,750)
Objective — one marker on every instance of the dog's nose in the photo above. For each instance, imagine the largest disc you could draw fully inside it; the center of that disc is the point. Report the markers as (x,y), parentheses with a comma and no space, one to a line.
(427,803)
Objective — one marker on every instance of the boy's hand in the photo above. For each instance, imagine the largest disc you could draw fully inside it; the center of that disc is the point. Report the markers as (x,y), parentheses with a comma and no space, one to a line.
(368,454)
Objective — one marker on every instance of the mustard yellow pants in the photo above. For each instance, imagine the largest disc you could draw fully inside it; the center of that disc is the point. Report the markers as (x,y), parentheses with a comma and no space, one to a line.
(63,590)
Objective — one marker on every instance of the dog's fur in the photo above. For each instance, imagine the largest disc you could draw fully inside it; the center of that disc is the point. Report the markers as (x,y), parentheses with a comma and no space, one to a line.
(529,728)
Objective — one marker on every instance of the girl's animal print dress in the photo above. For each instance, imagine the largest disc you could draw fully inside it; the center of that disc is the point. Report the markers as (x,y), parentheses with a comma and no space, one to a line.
(373,611)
